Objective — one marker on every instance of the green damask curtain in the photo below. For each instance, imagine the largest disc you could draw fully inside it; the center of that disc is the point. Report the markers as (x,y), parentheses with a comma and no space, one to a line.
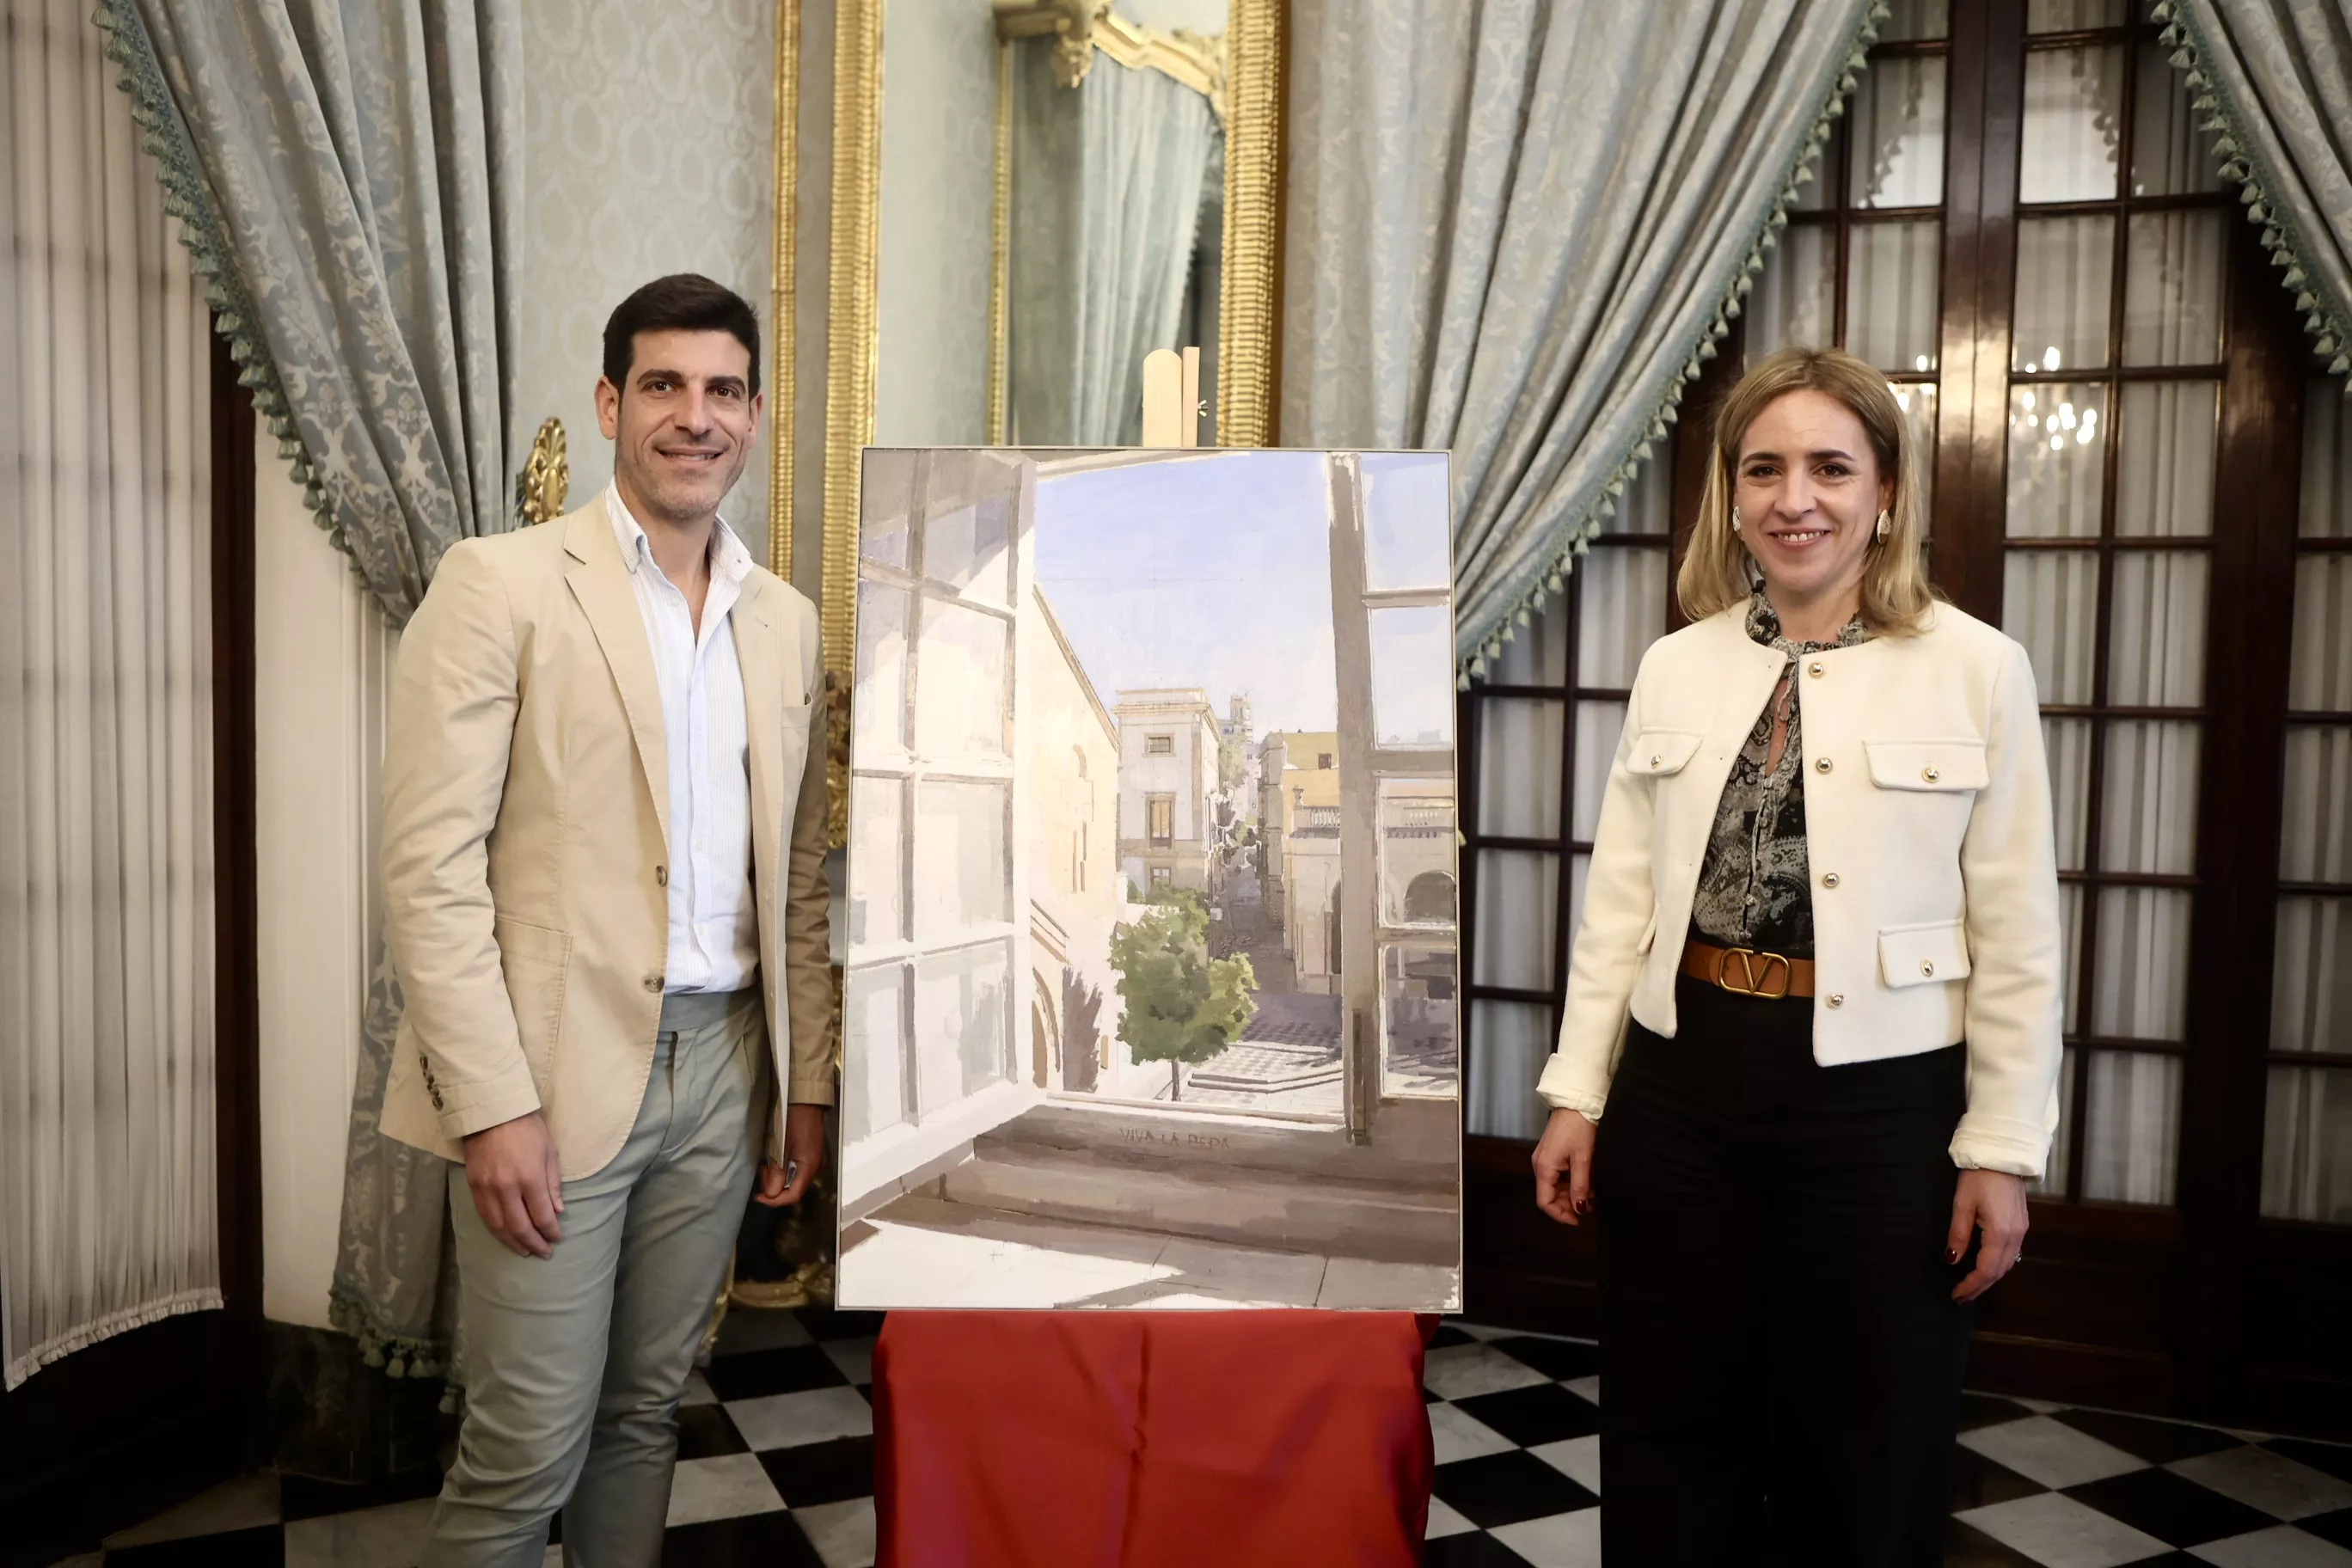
(349,174)
(1514,230)
(2275,77)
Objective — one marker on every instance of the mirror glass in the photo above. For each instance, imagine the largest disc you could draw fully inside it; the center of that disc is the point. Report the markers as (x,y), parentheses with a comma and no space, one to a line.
(1099,130)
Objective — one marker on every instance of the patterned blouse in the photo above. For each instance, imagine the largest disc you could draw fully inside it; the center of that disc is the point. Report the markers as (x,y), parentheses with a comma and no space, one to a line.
(1755,888)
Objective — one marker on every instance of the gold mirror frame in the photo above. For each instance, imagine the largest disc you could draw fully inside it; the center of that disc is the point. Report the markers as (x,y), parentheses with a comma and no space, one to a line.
(1246,304)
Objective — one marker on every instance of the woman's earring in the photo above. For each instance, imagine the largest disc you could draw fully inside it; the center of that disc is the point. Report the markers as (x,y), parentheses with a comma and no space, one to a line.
(1885,523)
(1734,519)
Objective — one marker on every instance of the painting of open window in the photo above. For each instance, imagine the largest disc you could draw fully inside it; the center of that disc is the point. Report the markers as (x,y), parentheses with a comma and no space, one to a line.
(1151,991)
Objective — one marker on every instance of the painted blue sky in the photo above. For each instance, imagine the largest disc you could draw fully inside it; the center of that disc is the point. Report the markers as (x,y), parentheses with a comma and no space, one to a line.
(1215,573)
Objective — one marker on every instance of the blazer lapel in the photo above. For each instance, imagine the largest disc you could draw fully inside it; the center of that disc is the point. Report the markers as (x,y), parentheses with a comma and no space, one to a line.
(600,581)
(760,660)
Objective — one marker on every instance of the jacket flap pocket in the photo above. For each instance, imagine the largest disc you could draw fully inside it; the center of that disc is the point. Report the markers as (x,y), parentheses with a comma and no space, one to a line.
(1927,764)
(1663,751)
(1923,955)
(517,938)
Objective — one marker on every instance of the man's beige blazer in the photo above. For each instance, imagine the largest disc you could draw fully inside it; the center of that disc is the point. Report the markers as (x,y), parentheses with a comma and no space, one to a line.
(526,834)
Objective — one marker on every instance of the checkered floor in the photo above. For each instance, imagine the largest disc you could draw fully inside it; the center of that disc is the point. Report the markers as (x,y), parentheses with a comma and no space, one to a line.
(776,1456)
(1517,1419)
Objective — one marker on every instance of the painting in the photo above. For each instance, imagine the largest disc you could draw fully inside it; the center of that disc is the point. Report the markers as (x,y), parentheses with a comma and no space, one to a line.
(1150,995)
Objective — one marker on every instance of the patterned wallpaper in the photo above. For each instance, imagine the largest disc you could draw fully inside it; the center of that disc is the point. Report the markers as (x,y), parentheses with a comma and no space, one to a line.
(648,149)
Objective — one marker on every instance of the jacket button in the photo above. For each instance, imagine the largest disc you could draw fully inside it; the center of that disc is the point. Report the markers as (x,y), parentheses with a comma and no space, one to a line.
(654,982)
(1656,761)
(1814,670)
(1926,966)
(1823,765)
(1931,774)
(661,876)
(1837,999)
(1829,878)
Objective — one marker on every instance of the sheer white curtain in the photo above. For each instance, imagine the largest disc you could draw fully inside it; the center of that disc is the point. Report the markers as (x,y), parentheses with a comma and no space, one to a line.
(108,1218)
(1543,762)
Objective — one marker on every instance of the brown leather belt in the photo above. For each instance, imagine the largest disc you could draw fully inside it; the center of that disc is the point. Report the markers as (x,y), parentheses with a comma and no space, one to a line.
(1744,972)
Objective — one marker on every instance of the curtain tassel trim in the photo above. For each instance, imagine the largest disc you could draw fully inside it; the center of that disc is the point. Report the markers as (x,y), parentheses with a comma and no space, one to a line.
(2327,320)
(188,197)
(1482,647)
(399,1355)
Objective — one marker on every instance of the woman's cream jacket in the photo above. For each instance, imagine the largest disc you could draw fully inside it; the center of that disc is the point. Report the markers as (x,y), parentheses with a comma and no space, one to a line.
(1935,883)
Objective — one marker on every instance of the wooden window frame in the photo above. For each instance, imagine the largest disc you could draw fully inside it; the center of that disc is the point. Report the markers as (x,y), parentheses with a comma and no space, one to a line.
(2203,1308)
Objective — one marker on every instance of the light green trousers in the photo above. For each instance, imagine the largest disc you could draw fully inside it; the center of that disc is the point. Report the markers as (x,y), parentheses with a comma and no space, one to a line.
(575,1364)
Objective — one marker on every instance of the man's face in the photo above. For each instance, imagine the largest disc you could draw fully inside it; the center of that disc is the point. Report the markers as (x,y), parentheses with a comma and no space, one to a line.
(683,427)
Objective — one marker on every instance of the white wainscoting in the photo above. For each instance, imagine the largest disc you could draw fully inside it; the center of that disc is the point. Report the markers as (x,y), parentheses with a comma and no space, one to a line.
(322,667)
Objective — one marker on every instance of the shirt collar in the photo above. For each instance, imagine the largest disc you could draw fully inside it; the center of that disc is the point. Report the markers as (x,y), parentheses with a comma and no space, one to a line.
(1764,627)
(730,561)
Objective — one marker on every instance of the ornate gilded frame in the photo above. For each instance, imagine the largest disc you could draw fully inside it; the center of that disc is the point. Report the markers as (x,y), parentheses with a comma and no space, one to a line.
(1252,89)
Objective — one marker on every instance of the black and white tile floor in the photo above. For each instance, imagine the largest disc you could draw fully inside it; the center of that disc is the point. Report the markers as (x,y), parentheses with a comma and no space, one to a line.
(775,1470)
(1516,1420)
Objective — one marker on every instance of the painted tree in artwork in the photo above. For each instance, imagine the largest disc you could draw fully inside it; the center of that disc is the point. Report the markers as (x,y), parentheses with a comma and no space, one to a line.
(1182,1005)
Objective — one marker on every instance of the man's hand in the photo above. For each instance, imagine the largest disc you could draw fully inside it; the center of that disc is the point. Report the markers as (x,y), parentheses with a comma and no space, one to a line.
(1992,1203)
(518,1184)
(1563,1162)
(803,1151)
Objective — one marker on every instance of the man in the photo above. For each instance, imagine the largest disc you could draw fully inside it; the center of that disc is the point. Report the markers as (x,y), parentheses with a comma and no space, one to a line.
(604,840)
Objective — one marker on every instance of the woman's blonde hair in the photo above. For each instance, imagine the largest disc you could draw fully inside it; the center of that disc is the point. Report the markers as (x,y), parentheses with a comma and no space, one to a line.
(1894,591)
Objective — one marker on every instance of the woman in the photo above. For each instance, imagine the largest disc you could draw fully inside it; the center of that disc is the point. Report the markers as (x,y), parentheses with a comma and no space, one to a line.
(1817,989)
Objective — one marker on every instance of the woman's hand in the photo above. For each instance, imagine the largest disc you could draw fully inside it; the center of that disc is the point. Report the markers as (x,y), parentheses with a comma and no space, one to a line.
(1565,1150)
(1992,1202)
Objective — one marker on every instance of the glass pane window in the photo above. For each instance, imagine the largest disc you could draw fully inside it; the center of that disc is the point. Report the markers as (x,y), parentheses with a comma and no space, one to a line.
(2147,818)
(1916,19)
(1417,1017)
(1417,852)
(881,695)
(1516,887)
(2168,432)
(2057,469)
(2073,15)
(2067,742)
(2074,110)
(1599,726)
(961,705)
(2327,498)
(2132,1128)
(2172,290)
(1795,297)
(962,1002)
(2054,1170)
(2065,281)
(1610,647)
(962,850)
(2155,642)
(877,881)
(1413,683)
(2169,155)
(2316,817)
(873,1018)
(2070,921)
(1520,766)
(1898,130)
(2307,1145)
(2319,676)
(1513,1039)
(1408,541)
(2143,961)
(2050,602)
(1890,298)
(2311,976)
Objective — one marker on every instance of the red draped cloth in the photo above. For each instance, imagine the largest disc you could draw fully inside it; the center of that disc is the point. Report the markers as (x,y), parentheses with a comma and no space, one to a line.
(1292,1439)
